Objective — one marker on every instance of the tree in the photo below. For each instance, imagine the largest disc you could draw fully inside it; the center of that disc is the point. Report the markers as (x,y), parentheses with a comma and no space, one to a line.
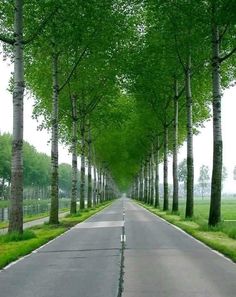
(222,25)
(17,40)
(182,173)
(224,175)
(204,179)
(65,173)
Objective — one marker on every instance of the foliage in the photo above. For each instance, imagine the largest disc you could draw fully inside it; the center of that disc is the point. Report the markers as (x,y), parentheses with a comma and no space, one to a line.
(204,179)
(182,171)
(36,166)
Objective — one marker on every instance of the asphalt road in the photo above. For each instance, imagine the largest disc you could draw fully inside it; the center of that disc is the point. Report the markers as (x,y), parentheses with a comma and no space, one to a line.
(84,262)
(159,261)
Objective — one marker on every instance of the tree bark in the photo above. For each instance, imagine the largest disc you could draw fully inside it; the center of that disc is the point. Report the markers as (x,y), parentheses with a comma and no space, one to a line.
(157,196)
(141,184)
(99,185)
(106,187)
(145,183)
(73,205)
(165,167)
(216,181)
(90,193)
(53,219)
(103,186)
(94,185)
(82,168)
(175,204)
(148,181)
(151,180)
(16,197)
(190,168)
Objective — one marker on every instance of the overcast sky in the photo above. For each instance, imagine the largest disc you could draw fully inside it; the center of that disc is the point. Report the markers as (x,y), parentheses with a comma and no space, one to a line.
(202,142)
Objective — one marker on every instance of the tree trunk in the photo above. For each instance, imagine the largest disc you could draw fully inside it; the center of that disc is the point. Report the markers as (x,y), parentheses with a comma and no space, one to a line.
(157,196)
(89,169)
(106,189)
(175,204)
(165,175)
(103,186)
(190,168)
(149,181)
(141,184)
(82,168)
(152,180)
(99,185)
(53,219)
(138,187)
(215,205)
(73,205)
(94,185)
(145,183)
(148,192)
(16,197)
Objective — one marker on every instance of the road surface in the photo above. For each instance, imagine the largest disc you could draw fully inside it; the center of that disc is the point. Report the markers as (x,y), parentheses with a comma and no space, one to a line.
(159,261)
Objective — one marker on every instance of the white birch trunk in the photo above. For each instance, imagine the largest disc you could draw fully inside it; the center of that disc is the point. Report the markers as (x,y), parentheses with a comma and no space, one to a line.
(165,173)
(82,168)
(16,197)
(145,183)
(53,219)
(157,196)
(152,180)
(73,206)
(215,205)
(190,168)
(99,185)
(141,183)
(175,204)
(94,185)
(90,193)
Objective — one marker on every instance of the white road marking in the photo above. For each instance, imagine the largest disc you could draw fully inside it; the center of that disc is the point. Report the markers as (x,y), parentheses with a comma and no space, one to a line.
(123,238)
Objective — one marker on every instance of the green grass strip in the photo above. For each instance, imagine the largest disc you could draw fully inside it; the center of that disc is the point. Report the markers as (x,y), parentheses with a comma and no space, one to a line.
(220,238)
(13,246)
(30,218)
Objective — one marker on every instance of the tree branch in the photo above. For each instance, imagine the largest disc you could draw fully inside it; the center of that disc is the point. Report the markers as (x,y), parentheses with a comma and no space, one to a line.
(223,32)
(6,39)
(73,69)
(228,55)
(93,104)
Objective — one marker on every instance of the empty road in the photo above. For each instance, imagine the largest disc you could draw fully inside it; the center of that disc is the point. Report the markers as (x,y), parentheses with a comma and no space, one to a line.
(159,261)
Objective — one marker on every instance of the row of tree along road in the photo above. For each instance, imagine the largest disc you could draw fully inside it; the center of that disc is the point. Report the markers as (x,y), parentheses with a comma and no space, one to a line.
(123,83)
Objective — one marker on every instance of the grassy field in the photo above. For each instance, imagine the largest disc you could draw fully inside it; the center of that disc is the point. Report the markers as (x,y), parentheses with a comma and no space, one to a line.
(15,246)
(201,209)
(221,237)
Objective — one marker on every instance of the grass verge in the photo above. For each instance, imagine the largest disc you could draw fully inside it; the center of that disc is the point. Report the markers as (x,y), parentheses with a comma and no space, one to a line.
(220,238)
(14,246)
(30,218)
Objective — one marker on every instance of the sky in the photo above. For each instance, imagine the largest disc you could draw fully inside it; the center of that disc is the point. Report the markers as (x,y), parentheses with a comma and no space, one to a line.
(203,144)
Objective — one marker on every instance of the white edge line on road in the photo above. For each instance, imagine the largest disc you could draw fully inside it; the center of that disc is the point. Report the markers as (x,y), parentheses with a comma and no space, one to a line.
(47,243)
(181,230)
